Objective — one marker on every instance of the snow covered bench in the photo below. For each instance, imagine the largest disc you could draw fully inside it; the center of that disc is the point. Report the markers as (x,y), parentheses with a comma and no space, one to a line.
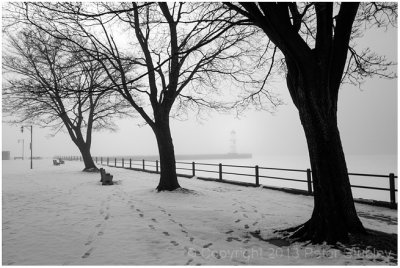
(61,161)
(106,178)
(55,162)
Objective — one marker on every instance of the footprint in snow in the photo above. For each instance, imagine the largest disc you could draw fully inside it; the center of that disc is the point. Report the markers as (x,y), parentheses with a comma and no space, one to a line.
(229,232)
(152,227)
(141,215)
(216,255)
(107,216)
(230,239)
(166,233)
(197,252)
(100,233)
(90,240)
(87,253)
(189,261)
(246,226)
(238,220)
(154,220)
(174,243)
(208,245)
(244,215)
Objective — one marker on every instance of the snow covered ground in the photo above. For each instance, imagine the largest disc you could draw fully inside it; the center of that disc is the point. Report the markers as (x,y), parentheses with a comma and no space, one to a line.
(58,215)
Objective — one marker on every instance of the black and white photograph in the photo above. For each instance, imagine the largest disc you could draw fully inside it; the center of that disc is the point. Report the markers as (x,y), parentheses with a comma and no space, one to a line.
(199,133)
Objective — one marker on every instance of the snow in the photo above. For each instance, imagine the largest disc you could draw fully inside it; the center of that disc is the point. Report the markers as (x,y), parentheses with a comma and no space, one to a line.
(58,215)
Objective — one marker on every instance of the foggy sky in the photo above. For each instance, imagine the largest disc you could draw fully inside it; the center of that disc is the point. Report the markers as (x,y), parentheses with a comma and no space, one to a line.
(367,123)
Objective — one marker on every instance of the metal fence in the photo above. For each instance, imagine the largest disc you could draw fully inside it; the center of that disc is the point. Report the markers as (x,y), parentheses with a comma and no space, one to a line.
(254,172)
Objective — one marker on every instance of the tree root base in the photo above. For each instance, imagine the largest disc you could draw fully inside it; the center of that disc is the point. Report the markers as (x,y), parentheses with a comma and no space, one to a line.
(179,190)
(368,240)
(92,169)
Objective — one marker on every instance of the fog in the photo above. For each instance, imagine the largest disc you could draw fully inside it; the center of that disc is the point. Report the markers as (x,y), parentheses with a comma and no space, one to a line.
(367,122)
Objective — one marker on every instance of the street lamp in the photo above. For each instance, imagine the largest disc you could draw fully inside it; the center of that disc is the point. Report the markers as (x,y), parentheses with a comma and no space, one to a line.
(31,147)
(22,147)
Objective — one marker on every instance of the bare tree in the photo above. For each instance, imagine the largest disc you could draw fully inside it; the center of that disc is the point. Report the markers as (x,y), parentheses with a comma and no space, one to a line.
(178,50)
(55,86)
(316,40)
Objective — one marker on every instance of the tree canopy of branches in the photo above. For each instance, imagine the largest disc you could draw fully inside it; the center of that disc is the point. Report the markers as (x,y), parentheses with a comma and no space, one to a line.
(317,41)
(54,85)
(183,54)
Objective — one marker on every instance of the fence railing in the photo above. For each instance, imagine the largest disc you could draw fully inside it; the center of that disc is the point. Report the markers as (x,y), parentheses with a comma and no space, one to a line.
(254,172)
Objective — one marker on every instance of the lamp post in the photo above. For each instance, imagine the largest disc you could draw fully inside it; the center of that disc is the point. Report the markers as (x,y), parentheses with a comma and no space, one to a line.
(22,148)
(31,144)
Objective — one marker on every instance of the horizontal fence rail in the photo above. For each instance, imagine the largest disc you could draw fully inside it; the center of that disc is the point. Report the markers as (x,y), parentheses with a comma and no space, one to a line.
(245,171)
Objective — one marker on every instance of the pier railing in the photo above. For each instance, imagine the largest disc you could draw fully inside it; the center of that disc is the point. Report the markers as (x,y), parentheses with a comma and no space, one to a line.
(255,173)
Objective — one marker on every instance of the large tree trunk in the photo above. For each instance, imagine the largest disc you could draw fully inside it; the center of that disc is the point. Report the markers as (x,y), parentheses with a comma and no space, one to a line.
(168,177)
(87,157)
(334,215)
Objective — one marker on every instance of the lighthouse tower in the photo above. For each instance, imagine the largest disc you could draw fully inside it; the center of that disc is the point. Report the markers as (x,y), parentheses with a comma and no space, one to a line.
(233,143)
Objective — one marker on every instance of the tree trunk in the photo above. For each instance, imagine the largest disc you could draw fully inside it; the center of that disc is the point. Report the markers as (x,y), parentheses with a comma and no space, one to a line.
(168,177)
(87,158)
(334,215)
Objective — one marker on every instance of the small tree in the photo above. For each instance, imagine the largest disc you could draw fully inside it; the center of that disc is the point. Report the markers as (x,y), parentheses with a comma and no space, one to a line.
(315,40)
(55,86)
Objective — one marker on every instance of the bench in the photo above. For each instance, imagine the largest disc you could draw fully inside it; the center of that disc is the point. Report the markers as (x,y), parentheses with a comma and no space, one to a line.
(55,162)
(106,178)
(61,161)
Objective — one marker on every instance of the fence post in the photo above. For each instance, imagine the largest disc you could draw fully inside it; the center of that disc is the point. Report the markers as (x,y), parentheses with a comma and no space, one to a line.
(101,160)
(108,161)
(194,169)
(123,164)
(96,159)
(143,165)
(257,177)
(115,162)
(130,162)
(157,166)
(220,171)
(309,184)
(392,190)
